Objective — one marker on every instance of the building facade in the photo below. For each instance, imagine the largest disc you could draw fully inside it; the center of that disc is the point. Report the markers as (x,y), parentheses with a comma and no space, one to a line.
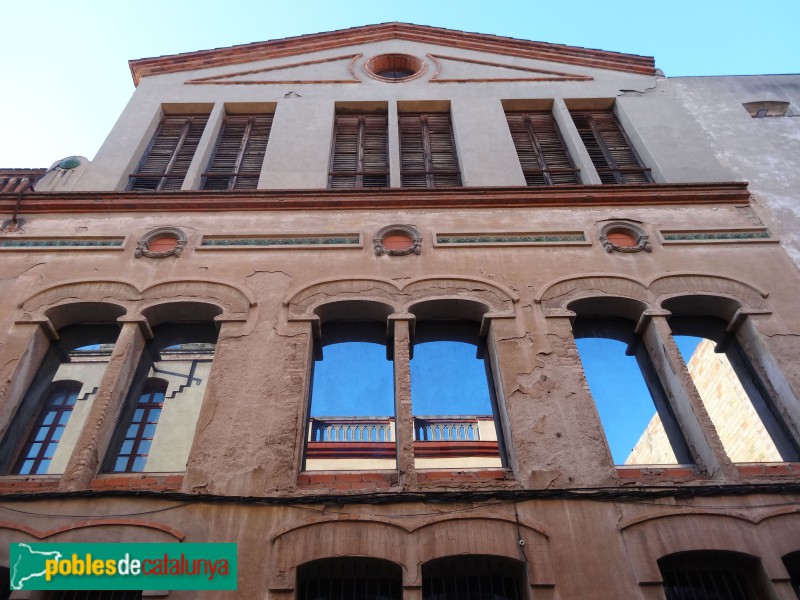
(335,298)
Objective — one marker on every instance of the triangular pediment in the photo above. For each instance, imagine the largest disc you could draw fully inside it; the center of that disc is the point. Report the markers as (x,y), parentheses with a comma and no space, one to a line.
(452,69)
(338,69)
(503,66)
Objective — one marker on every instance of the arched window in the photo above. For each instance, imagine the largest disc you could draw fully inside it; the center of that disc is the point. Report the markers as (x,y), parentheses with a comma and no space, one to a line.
(637,418)
(141,429)
(472,578)
(39,449)
(452,397)
(713,575)
(743,412)
(157,424)
(349,578)
(50,416)
(352,416)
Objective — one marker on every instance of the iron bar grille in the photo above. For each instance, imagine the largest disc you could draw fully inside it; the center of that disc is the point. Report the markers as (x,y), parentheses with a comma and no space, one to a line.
(471,578)
(349,579)
(708,576)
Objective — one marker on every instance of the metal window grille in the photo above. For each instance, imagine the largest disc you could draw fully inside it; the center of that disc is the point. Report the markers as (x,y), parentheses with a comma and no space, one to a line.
(360,157)
(427,151)
(139,435)
(166,162)
(349,579)
(709,576)
(472,578)
(611,152)
(46,434)
(542,155)
(239,154)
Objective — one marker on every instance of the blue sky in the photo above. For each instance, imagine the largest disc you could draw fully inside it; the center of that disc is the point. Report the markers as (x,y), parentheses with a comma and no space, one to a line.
(66,77)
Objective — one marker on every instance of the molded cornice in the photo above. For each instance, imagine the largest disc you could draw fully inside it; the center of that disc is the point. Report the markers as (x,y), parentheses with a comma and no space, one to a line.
(377,199)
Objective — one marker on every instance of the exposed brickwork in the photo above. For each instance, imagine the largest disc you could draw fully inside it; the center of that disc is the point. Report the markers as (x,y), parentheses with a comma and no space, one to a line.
(27,485)
(138,482)
(346,481)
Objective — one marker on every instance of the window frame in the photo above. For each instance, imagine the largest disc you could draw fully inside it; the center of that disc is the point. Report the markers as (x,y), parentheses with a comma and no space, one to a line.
(257,130)
(541,148)
(419,163)
(368,133)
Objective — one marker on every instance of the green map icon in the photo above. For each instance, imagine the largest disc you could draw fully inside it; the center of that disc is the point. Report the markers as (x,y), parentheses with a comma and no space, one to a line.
(28,564)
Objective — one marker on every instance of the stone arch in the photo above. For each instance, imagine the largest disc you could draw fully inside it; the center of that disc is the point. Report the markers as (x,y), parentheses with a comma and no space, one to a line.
(88,291)
(234,301)
(316,541)
(303,303)
(651,538)
(666,287)
(562,292)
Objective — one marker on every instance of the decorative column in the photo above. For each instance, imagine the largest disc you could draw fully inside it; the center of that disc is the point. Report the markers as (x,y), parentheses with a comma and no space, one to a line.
(402,324)
(698,430)
(99,428)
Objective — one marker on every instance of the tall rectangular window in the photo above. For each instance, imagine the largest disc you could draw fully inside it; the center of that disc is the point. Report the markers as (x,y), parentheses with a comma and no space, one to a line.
(359,158)
(239,154)
(166,161)
(427,151)
(542,155)
(611,152)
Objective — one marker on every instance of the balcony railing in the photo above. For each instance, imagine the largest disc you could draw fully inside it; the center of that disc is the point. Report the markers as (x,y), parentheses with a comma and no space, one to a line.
(374,437)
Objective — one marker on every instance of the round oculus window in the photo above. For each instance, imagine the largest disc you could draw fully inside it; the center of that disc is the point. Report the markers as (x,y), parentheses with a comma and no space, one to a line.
(623,239)
(164,243)
(397,240)
(394,68)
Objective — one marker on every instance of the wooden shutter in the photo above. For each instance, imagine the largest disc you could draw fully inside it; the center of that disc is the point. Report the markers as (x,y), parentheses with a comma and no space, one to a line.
(167,160)
(427,151)
(609,148)
(541,151)
(359,158)
(239,154)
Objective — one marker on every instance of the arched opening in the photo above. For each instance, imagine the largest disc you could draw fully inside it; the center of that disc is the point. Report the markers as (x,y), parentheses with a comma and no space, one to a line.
(638,420)
(453,400)
(713,575)
(157,424)
(51,415)
(351,408)
(473,576)
(349,578)
(736,399)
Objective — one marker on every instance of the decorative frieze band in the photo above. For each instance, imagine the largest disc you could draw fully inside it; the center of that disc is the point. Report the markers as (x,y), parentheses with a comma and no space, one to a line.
(717,236)
(65,243)
(510,239)
(352,240)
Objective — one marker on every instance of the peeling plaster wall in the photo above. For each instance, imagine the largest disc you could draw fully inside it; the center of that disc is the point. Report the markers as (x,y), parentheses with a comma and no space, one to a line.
(765,152)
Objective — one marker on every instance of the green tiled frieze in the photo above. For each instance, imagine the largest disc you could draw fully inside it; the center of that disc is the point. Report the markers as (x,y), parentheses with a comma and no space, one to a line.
(543,238)
(715,235)
(282,241)
(62,243)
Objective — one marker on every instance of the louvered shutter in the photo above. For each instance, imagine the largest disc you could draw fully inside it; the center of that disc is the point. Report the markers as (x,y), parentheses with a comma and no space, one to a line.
(611,152)
(541,151)
(167,160)
(427,151)
(359,158)
(239,154)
